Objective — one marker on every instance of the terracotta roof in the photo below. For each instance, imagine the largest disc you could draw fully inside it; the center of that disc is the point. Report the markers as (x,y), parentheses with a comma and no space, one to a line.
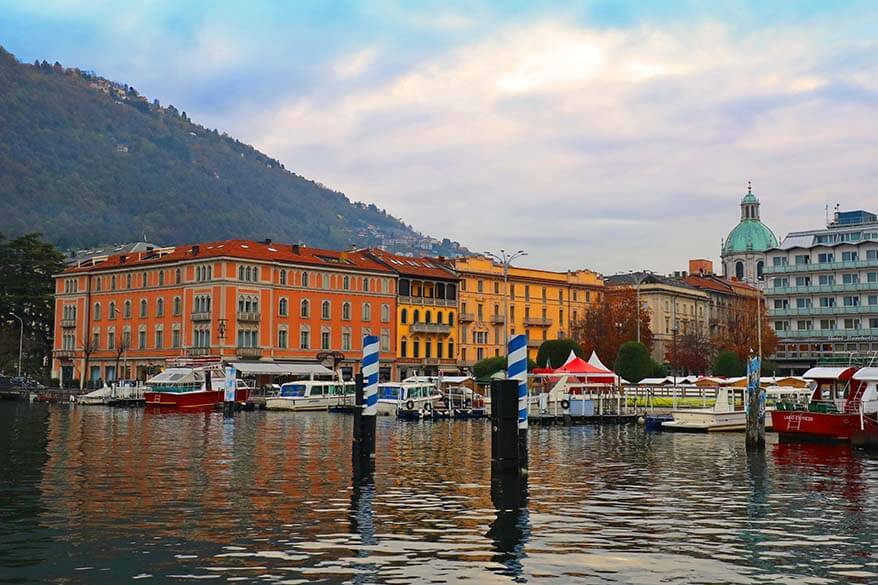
(265,251)
(716,283)
(422,267)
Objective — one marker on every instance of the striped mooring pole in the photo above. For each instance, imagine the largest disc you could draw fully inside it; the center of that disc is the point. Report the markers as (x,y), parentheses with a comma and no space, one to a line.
(366,409)
(517,370)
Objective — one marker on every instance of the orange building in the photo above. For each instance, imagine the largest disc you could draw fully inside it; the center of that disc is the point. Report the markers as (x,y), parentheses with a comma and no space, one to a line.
(122,316)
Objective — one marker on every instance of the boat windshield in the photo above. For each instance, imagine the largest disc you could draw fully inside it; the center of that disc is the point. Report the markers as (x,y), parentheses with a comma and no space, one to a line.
(389,392)
(176,388)
(292,390)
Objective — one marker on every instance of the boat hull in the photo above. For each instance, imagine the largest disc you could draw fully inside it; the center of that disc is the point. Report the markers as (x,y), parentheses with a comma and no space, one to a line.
(820,425)
(192,400)
(703,421)
(306,404)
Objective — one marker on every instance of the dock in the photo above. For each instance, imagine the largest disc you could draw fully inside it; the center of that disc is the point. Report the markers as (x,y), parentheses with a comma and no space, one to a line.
(568,420)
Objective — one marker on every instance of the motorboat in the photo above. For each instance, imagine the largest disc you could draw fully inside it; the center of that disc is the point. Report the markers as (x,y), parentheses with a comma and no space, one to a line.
(407,396)
(195,386)
(727,414)
(311,395)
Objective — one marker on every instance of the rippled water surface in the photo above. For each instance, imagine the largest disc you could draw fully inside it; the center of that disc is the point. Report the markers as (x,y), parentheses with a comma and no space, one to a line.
(99,495)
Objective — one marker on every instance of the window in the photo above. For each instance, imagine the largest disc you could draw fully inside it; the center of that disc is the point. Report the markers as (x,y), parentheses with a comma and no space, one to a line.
(282,277)
(143,308)
(872,255)
(826,279)
(346,282)
(760,269)
(439,317)
(827,302)
(111,310)
(803,281)
(450,319)
(160,308)
(178,277)
(325,310)
(851,256)
(98,283)
(324,339)
(111,339)
(305,338)
(872,277)
(141,339)
(161,279)
(873,299)
(366,284)
(305,279)
(144,280)
(404,316)
(346,339)
(175,338)
(283,307)
(781,304)
(346,311)
(803,303)
(97,312)
(416,349)
(802,259)
(804,325)
(416,316)
(113,282)
(779,261)
(480,287)
(852,323)
(496,287)
(739,270)
(824,257)
(404,287)
(852,301)
(403,347)
(127,309)
(128,280)
(428,316)
(384,340)
(282,338)
(305,309)
(159,338)
(827,324)
(527,292)
(385,313)
(367,311)
(96,340)
(850,278)
(428,348)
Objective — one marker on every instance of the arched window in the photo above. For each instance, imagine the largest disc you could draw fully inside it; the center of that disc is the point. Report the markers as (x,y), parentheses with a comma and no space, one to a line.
(111,310)
(367,312)
(113,282)
(97,312)
(240,273)
(143,308)
(242,304)
(346,282)
(324,310)
(739,270)
(178,305)
(305,308)
(428,317)
(416,316)
(254,303)
(127,309)
(282,307)
(283,276)
(304,279)
(161,278)
(451,321)
(439,317)
(404,316)
(366,284)
(160,308)
(759,266)
(178,277)
(346,310)
(403,347)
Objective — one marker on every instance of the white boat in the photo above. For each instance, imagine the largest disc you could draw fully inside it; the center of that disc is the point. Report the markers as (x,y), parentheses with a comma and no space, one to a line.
(311,395)
(727,414)
(99,396)
(406,396)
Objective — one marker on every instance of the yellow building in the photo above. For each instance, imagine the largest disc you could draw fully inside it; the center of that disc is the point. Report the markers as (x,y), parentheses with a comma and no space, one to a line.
(542,304)
(426,314)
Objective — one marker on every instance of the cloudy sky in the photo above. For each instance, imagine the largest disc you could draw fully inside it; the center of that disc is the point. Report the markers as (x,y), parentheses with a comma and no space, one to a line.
(606,135)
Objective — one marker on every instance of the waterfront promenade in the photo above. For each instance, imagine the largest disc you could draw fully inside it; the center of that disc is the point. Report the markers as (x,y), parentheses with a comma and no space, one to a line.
(109,495)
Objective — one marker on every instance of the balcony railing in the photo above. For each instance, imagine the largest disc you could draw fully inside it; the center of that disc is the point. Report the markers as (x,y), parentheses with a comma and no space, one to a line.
(820,266)
(68,323)
(249,352)
(827,334)
(535,342)
(819,311)
(431,328)
(537,322)
(201,316)
(464,317)
(64,353)
(403,300)
(197,351)
(817,289)
(498,319)
(249,316)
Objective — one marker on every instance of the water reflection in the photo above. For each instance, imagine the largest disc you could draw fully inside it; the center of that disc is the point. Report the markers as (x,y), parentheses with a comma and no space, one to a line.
(106,495)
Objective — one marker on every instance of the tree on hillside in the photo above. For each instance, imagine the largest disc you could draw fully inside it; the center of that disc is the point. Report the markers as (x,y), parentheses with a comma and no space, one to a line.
(555,352)
(741,333)
(27,264)
(634,362)
(611,322)
(728,364)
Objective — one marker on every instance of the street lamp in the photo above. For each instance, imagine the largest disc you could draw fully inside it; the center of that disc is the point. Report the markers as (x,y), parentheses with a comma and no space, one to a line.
(505,260)
(20,340)
(639,277)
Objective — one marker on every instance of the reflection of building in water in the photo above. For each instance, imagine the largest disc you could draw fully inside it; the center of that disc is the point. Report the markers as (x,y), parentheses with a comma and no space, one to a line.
(510,529)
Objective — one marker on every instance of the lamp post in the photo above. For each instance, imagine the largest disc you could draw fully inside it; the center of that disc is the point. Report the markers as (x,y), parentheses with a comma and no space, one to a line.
(639,277)
(20,340)
(505,260)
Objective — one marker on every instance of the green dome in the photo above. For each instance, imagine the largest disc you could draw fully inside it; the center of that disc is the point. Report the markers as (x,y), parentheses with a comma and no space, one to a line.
(751,235)
(749,198)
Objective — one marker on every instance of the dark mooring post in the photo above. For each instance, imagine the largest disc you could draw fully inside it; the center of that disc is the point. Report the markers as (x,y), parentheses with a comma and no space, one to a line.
(366,398)
(505,452)
(755,406)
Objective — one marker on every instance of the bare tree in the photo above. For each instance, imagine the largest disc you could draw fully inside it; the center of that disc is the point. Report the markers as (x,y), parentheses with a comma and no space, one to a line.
(88,348)
(120,349)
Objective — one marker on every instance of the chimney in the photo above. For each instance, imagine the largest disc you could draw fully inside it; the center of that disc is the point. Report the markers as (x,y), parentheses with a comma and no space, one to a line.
(195,249)
(297,248)
(267,241)
(122,259)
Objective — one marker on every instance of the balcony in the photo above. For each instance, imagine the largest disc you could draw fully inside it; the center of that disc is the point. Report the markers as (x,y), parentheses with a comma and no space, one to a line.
(201,316)
(64,353)
(819,289)
(827,334)
(249,316)
(68,323)
(466,317)
(537,322)
(440,328)
(499,319)
(197,351)
(427,302)
(820,267)
(534,342)
(253,353)
(820,311)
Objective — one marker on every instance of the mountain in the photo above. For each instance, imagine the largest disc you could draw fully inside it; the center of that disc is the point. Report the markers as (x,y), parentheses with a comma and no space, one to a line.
(88,161)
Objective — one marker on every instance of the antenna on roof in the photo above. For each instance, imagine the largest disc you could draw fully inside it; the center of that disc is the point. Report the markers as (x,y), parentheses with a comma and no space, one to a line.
(749,188)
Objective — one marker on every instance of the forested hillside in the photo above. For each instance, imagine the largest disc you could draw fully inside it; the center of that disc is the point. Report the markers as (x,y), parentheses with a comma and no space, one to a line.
(87,161)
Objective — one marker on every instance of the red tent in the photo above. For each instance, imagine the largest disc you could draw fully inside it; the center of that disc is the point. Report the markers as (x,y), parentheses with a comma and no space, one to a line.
(582,369)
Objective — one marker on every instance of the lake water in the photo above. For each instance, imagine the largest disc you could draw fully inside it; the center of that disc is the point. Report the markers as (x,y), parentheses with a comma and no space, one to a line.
(100,495)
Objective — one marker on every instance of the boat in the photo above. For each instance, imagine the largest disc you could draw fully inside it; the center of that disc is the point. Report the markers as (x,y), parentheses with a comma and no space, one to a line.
(311,395)
(99,396)
(727,414)
(407,397)
(190,387)
(844,403)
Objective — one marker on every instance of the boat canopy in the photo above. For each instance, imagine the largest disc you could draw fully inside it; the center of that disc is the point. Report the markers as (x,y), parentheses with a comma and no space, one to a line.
(830,373)
(866,374)
(282,369)
(176,376)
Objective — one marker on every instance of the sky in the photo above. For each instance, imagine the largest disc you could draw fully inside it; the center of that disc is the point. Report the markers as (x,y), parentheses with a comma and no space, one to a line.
(612,136)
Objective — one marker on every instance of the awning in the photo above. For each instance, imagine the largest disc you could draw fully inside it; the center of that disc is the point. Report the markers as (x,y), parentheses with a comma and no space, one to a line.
(281,369)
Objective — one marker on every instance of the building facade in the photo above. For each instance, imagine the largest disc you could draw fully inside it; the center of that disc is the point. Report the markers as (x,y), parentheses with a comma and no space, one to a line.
(542,304)
(743,251)
(675,308)
(726,297)
(125,314)
(426,314)
(822,291)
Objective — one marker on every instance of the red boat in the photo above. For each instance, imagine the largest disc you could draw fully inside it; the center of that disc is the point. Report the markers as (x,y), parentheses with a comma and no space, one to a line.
(844,405)
(192,387)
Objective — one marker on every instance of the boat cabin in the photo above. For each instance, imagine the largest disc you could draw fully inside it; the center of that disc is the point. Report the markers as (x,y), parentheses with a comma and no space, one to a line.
(316,389)
(832,387)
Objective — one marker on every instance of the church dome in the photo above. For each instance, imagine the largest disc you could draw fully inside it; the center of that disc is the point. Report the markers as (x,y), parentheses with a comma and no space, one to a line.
(750,235)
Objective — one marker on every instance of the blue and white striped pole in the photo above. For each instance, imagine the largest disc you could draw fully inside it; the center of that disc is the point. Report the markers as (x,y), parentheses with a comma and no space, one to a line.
(517,370)
(370,375)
